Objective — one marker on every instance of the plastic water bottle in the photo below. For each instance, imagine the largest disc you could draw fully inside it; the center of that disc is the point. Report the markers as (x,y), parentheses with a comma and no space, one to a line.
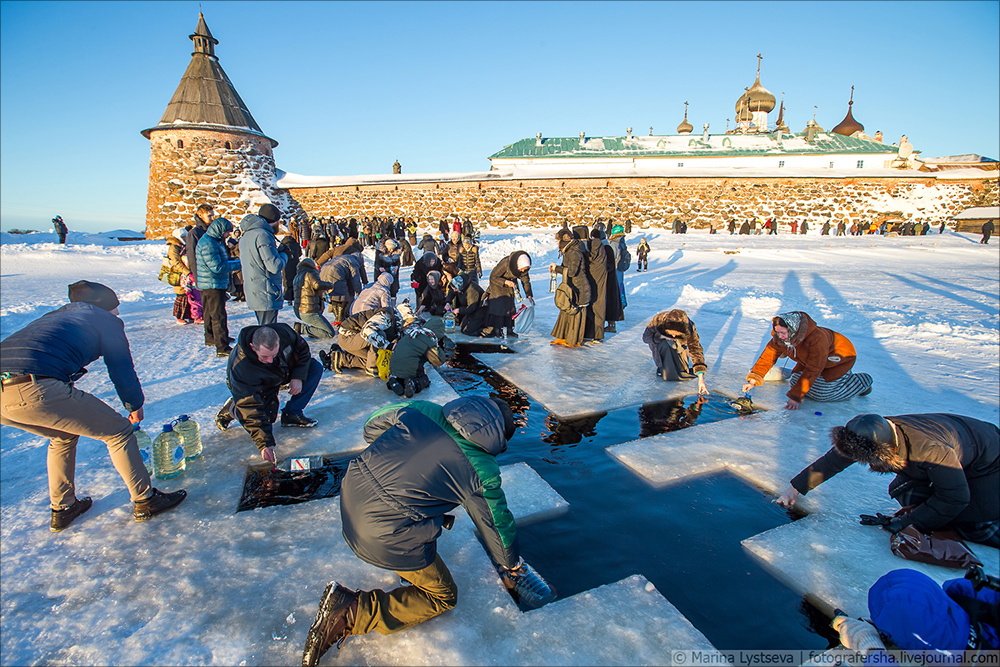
(449,322)
(145,447)
(528,588)
(168,454)
(553,282)
(188,428)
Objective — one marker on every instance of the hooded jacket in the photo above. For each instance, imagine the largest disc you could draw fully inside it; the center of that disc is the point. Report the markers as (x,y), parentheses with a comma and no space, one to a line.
(814,349)
(416,346)
(175,252)
(424,460)
(427,244)
(262,264)
(214,265)
(958,457)
(344,272)
(502,296)
(309,288)
(675,324)
(191,244)
(375,295)
(255,386)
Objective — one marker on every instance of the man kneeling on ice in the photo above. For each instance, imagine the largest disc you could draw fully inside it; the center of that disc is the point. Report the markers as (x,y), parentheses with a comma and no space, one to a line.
(423,460)
(267,357)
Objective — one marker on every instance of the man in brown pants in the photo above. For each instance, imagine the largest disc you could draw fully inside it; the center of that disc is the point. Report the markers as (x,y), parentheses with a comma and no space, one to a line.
(38,366)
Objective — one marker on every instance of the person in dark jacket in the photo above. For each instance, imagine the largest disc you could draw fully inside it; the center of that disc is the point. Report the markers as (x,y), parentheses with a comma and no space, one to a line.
(38,366)
(948,466)
(423,461)
(469,258)
(344,272)
(677,353)
(988,229)
(265,358)
(597,272)
(309,290)
(262,264)
(642,255)
(823,361)
(419,344)
(469,304)
(514,267)
(432,300)
(305,231)
(427,244)
(203,217)
(428,262)
(388,257)
(214,269)
(453,249)
(318,246)
(745,229)
(732,226)
(468,230)
(291,248)
(60,228)
(569,328)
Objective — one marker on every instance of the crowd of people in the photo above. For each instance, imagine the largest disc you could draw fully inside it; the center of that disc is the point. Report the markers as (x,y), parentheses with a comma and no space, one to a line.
(424,459)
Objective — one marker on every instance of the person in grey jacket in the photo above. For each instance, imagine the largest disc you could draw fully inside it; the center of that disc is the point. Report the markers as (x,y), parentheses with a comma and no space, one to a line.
(262,263)
(38,366)
(423,461)
(948,466)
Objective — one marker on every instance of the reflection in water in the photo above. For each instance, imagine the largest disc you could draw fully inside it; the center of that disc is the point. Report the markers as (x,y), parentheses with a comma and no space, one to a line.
(264,486)
(571,431)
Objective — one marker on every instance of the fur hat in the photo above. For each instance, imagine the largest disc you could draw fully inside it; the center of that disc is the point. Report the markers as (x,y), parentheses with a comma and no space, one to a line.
(94,293)
(868,439)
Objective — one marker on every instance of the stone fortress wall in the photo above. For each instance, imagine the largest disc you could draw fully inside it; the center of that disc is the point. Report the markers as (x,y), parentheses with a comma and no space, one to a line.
(655,202)
(232,171)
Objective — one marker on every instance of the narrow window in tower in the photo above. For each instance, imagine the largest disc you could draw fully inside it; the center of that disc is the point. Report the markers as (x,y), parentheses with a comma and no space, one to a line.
(180,143)
(228,146)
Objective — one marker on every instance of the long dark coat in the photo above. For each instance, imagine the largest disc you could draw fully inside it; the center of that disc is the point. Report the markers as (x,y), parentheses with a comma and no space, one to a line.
(501,302)
(613,311)
(574,271)
(290,247)
(597,270)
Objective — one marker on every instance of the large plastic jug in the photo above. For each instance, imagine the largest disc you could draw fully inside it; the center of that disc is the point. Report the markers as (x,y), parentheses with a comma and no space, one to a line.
(168,454)
(145,447)
(188,428)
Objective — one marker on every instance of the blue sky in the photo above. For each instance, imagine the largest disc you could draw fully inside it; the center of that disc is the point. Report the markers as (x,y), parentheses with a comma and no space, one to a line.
(347,88)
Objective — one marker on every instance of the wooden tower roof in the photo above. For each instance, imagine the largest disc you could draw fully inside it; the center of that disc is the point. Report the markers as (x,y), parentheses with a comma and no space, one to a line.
(206,98)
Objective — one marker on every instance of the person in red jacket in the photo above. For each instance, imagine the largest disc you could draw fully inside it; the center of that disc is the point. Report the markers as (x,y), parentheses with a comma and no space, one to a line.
(823,361)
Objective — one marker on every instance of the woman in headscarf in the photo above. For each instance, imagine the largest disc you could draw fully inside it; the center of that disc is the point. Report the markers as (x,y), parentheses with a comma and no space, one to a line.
(823,361)
(508,270)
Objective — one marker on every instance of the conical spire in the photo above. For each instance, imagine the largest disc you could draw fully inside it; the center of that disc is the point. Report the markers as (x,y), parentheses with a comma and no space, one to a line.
(205,97)
(849,126)
(685,127)
(780,125)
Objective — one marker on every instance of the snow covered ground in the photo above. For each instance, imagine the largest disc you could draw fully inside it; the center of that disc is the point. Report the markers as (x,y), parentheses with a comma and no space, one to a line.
(203,584)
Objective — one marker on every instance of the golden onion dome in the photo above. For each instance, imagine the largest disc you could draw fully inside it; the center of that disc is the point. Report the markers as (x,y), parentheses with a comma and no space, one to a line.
(685,127)
(760,98)
(849,126)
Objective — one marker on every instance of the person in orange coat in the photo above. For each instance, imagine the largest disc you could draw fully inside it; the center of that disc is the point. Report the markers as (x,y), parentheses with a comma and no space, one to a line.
(823,361)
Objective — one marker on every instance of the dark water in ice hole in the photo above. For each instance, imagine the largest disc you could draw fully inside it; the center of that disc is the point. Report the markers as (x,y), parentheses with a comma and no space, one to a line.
(685,538)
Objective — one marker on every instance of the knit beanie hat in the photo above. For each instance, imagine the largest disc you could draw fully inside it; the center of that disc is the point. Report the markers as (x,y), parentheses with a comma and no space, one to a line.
(94,293)
(270,213)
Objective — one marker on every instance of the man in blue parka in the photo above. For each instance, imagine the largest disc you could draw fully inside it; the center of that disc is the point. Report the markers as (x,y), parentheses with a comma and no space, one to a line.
(423,460)
(38,366)
(262,263)
(214,270)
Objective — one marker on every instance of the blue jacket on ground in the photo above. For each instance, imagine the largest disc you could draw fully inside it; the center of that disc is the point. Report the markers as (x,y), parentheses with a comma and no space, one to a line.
(262,264)
(63,342)
(214,265)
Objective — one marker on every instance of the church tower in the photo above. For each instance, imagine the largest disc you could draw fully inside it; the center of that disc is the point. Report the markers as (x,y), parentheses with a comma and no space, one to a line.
(207,148)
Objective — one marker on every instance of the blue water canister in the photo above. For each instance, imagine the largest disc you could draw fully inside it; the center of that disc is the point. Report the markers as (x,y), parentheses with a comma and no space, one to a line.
(145,447)
(168,454)
(188,428)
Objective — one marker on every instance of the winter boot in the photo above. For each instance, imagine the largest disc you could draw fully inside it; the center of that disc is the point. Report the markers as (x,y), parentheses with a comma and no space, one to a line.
(156,503)
(324,359)
(408,388)
(297,419)
(298,328)
(395,386)
(338,609)
(62,518)
(225,416)
(611,328)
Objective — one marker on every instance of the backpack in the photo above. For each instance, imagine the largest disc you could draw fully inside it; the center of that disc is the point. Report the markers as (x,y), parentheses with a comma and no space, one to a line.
(565,299)
(624,259)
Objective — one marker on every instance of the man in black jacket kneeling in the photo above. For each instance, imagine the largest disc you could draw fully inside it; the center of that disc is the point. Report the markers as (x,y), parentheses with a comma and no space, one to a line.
(267,357)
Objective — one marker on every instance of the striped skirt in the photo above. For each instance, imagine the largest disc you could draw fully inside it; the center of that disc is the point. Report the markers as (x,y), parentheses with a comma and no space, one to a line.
(841,389)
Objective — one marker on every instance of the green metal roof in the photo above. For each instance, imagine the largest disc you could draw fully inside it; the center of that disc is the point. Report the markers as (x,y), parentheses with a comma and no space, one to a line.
(728,145)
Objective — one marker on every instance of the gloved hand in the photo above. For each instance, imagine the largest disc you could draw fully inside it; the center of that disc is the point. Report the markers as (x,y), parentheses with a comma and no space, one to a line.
(858,635)
(888,523)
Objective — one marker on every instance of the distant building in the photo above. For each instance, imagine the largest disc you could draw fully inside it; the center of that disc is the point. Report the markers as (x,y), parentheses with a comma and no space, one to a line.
(973,219)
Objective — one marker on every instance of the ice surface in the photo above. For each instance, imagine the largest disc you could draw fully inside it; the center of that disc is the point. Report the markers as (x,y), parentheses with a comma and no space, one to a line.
(202,584)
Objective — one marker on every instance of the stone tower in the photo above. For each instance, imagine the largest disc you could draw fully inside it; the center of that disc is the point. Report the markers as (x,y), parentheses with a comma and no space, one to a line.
(207,148)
